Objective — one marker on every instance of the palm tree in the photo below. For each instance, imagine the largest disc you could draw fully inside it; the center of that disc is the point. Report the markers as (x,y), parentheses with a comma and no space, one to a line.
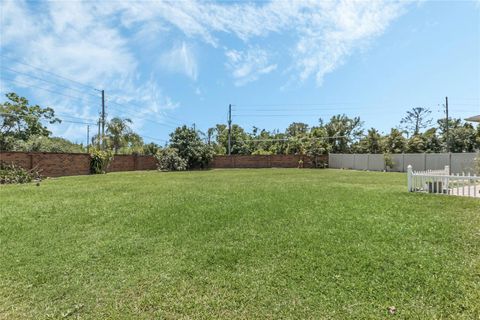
(118,132)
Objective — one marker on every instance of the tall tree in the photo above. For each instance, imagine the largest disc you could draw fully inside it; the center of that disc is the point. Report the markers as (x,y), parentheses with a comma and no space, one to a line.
(297,129)
(371,143)
(394,142)
(151,148)
(239,139)
(118,133)
(432,141)
(20,120)
(417,119)
(342,132)
(463,138)
(191,147)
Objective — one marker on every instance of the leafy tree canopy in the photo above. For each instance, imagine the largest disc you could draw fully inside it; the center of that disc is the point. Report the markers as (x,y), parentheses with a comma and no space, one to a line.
(20,120)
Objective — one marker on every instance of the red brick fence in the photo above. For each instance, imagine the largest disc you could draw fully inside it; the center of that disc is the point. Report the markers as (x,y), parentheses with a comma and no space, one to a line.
(267,161)
(70,164)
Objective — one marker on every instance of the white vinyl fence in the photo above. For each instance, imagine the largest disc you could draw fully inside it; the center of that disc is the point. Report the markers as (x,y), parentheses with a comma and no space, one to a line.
(458,162)
(442,182)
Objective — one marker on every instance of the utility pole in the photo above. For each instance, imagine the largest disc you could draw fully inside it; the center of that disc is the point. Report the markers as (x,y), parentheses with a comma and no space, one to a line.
(88,138)
(447,124)
(98,136)
(448,138)
(229,129)
(103,118)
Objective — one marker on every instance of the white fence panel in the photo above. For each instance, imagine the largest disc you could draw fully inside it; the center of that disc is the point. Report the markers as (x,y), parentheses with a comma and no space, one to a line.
(436,161)
(341,161)
(463,162)
(416,160)
(334,160)
(360,161)
(398,163)
(377,162)
(459,162)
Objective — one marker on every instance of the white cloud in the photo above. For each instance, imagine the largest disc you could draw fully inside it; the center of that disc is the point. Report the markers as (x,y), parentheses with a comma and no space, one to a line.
(180,59)
(325,33)
(97,42)
(77,41)
(336,30)
(247,66)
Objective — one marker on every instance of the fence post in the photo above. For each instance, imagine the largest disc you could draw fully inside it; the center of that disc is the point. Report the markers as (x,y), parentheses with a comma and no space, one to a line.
(31,161)
(409,177)
(135,162)
(449,163)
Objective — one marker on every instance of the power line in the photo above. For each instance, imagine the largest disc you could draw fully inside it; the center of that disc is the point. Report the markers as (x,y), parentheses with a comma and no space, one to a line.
(49,72)
(29,85)
(63,115)
(143,118)
(48,81)
(293,104)
(152,138)
(167,122)
(280,115)
(79,122)
(127,106)
(291,139)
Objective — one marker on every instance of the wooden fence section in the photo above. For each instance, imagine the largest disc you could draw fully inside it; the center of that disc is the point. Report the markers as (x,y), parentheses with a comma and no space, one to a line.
(443,182)
(265,161)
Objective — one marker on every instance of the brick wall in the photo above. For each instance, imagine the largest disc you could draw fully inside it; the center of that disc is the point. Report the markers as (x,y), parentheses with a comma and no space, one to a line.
(146,163)
(50,164)
(132,163)
(70,164)
(267,161)
(122,163)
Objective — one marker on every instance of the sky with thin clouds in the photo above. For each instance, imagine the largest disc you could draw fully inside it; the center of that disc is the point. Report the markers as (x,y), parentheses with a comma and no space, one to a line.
(165,63)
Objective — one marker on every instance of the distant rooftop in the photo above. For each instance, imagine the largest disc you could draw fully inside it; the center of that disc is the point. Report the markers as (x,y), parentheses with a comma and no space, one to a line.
(474,119)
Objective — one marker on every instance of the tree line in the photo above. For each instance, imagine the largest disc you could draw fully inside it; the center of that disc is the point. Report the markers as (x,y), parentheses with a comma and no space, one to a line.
(342,134)
(23,127)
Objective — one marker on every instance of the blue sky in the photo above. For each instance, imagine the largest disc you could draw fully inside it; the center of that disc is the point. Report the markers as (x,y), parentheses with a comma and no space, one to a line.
(167,63)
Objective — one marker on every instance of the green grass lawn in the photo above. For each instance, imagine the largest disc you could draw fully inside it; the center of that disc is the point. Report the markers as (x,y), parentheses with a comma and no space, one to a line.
(273,243)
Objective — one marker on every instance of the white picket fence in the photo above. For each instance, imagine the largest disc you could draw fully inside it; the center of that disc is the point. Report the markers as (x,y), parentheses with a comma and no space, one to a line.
(443,182)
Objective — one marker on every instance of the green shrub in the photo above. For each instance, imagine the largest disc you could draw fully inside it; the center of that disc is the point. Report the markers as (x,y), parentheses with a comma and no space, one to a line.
(261,152)
(38,143)
(168,159)
(11,173)
(100,160)
(389,163)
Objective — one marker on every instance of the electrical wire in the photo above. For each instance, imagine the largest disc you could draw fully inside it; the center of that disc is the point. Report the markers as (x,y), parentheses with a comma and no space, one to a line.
(48,81)
(291,139)
(49,72)
(136,116)
(79,122)
(29,85)
(126,105)
(158,139)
